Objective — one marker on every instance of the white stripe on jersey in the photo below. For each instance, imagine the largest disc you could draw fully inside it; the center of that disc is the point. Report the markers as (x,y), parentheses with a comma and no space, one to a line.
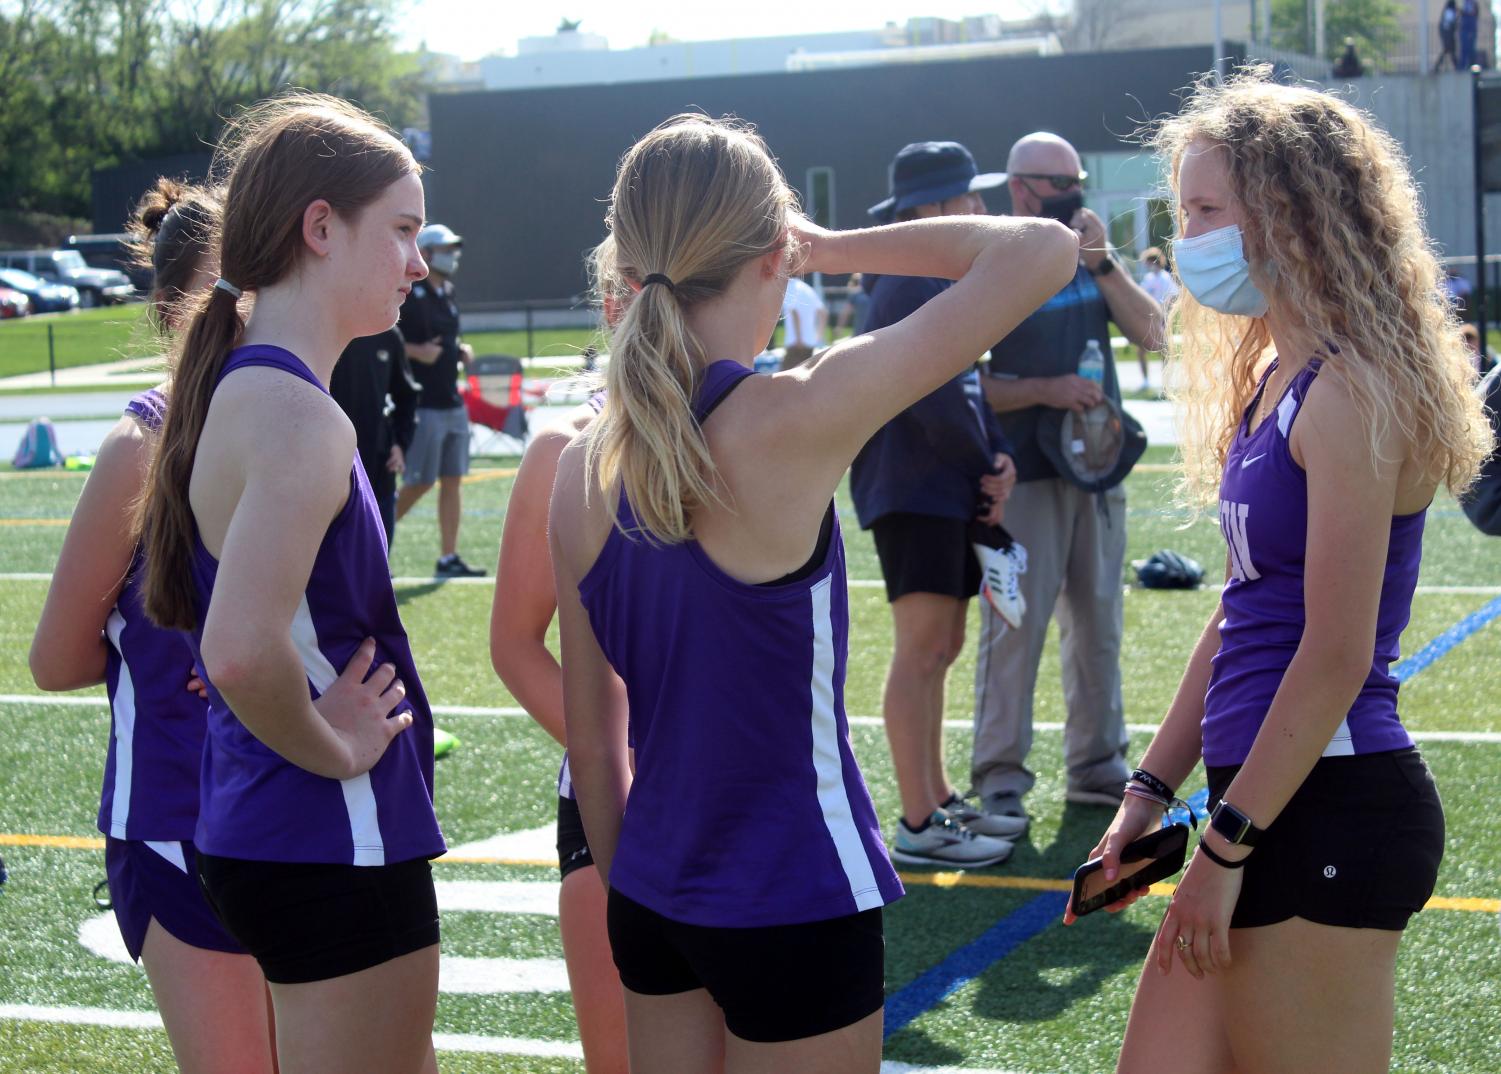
(1341,745)
(833,796)
(173,852)
(123,710)
(1286,411)
(359,796)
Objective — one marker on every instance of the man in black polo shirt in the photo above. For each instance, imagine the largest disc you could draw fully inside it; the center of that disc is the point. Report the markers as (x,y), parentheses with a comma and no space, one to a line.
(1076,539)
(440,449)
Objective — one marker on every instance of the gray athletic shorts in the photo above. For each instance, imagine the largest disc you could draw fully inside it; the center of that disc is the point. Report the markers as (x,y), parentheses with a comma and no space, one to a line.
(440,447)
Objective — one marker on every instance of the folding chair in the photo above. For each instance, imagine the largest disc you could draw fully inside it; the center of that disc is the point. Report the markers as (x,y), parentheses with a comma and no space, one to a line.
(493,398)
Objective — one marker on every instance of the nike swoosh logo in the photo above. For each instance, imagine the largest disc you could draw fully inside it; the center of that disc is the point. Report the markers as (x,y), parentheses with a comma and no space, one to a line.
(1247,462)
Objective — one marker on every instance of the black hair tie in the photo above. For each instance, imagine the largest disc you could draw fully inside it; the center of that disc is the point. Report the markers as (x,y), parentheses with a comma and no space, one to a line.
(657,277)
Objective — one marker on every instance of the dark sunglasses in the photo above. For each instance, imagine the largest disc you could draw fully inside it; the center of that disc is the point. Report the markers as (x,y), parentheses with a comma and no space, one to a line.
(1060,182)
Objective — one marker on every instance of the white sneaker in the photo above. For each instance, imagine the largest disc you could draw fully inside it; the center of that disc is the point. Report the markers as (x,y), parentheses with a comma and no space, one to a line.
(1000,580)
(947,842)
(981,822)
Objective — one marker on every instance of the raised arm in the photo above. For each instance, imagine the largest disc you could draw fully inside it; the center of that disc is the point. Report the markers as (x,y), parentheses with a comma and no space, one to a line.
(68,650)
(1005,269)
(272,537)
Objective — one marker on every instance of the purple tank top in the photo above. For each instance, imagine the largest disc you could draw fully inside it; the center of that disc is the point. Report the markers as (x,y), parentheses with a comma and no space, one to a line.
(156,726)
(1264,519)
(255,804)
(747,808)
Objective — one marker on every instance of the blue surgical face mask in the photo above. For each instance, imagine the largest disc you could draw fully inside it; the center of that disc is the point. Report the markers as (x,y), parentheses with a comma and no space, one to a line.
(1214,269)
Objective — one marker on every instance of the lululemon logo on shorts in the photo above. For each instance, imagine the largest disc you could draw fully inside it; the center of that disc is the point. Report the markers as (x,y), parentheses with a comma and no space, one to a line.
(1329,872)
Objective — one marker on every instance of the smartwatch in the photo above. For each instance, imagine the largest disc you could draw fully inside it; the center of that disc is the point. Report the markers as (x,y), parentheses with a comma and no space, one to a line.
(1105,267)
(1234,825)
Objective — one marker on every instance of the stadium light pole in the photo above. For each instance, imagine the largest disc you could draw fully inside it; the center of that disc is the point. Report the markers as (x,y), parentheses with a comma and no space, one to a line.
(1219,40)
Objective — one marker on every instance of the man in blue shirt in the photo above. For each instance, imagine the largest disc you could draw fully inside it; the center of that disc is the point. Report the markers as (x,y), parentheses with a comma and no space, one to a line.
(1075,538)
(917,485)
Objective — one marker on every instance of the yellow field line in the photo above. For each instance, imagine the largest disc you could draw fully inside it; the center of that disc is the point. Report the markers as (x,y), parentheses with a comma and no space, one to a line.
(935,880)
(34,521)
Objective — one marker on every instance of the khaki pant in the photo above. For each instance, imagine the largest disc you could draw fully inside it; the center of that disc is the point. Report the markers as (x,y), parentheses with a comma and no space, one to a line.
(1076,546)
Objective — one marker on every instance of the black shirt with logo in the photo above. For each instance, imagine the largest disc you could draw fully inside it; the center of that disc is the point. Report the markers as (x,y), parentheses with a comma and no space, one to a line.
(430,315)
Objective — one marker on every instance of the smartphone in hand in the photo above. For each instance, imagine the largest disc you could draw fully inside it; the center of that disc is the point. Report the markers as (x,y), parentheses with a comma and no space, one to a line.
(1155,856)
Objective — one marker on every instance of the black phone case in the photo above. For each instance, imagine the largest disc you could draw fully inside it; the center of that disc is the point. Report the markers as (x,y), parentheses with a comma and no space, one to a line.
(1167,846)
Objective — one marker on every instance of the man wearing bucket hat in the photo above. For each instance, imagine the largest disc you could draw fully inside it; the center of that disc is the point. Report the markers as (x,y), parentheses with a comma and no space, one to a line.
(440,449)
(1053,382)
(916,485)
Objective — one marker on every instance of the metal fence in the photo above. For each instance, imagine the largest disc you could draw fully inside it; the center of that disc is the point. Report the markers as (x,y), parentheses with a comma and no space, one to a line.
(47,344)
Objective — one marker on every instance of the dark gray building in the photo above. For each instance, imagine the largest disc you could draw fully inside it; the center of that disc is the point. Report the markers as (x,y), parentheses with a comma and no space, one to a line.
(523,174)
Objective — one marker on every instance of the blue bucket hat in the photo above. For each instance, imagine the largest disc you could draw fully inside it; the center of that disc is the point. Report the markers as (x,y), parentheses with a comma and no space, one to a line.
(925,172)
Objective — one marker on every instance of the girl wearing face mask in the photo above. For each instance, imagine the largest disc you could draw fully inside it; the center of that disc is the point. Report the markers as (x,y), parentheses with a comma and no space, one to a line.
(1325,395)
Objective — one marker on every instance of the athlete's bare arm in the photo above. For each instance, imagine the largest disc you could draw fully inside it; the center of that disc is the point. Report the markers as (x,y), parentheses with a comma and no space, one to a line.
(263,504)
(68,650)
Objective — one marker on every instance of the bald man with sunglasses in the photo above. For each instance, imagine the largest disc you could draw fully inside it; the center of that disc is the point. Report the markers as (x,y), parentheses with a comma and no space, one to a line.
(1076,539)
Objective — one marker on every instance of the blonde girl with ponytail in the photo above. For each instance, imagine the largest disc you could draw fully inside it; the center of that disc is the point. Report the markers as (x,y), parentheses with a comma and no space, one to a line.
(697,555)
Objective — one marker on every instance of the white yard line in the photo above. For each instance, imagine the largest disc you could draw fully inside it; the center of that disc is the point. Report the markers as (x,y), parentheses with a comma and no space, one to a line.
(100,702)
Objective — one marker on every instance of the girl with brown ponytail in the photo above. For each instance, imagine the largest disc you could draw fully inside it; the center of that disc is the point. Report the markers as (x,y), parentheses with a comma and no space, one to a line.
(264,542)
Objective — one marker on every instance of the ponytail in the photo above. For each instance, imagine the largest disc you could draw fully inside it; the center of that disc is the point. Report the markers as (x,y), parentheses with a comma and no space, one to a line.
(167,522)
(694,202)
(652,443)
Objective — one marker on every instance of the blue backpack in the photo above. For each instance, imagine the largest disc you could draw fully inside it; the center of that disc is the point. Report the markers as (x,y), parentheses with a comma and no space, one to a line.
(38,446)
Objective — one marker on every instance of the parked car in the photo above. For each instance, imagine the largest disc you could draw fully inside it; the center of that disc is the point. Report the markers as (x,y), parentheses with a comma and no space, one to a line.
(115,251)
(95,287)
(46,297)
(13,304)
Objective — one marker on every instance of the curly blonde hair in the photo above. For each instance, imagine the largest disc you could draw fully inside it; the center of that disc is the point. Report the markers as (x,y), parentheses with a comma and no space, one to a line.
(1328,200)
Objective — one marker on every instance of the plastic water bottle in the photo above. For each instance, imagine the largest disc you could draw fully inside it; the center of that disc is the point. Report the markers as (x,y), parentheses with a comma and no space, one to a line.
(1092,363)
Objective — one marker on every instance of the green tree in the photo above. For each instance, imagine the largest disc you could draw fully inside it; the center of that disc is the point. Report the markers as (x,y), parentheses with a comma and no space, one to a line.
(135,79)
(1374,24)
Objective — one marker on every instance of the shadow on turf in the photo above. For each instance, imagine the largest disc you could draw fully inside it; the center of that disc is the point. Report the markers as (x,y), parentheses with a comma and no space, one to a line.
(1046,975)
(408,593)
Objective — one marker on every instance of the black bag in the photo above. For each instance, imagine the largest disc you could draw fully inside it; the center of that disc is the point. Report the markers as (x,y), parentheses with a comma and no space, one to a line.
(1168,570)
(1094,450)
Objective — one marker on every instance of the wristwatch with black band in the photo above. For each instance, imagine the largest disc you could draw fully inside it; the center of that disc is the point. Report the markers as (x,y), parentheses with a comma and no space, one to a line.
(1234,826)
(1105,267)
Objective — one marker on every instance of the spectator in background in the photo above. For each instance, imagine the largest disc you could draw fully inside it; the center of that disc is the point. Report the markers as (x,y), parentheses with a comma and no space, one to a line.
(439,451)
(856,307)
(804,321)
(1349,65)
(373,384)
(1482,503)
(1448,32)
(1485,360)
(1469,28)
(916,486)
(1158,282)
(1075,539)
(1458,286)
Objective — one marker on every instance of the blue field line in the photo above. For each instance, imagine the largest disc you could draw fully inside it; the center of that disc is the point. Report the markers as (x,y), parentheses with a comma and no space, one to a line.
(973,959)
(1436,649)
(1198,802)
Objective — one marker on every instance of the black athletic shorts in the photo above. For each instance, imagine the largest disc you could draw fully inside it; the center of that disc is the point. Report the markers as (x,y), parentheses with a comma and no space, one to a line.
(926,554)
(310,922)
(573,847)
(784,982)
(1358,845)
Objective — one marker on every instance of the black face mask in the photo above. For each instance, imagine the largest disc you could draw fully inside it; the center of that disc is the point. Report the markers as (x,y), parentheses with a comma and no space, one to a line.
(1061,207)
